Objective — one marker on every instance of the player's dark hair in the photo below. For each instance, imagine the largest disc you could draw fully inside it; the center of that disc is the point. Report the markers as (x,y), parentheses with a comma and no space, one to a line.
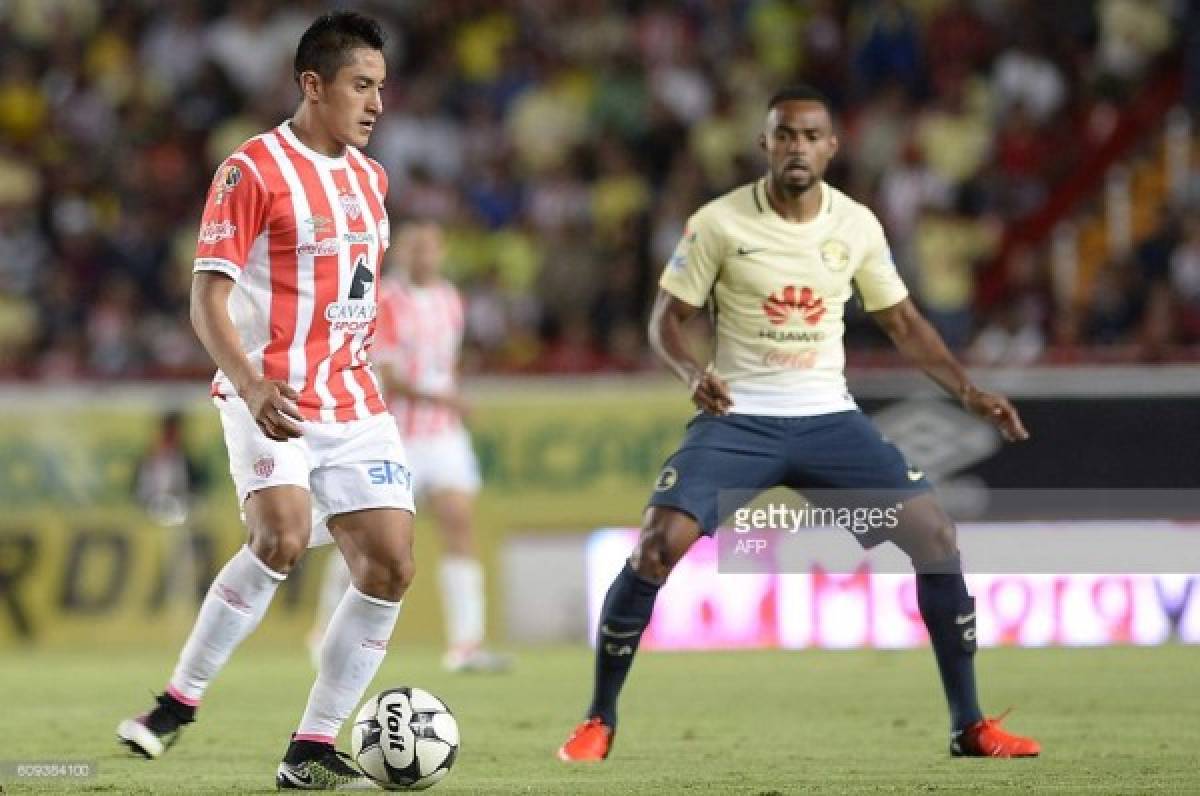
(799,92)
(325,47)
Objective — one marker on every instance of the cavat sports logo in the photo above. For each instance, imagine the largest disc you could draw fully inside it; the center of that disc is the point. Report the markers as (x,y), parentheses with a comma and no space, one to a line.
(351,316)
(783,303)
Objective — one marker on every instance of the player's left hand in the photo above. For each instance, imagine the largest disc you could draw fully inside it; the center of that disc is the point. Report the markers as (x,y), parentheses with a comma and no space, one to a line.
(997,410)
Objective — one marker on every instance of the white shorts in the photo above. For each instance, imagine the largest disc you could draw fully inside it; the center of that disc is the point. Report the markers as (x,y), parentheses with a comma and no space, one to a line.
(345,466)
(443,461)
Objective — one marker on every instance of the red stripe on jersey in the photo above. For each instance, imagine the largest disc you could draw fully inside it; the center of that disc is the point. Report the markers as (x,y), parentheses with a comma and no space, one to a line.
(326,290)
(281,257)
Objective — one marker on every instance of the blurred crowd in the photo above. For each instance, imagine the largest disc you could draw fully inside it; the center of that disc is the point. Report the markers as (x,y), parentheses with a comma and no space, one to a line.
(563,145)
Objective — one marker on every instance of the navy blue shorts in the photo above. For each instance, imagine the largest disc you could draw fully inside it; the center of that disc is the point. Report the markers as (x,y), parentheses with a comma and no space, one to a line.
(837,451)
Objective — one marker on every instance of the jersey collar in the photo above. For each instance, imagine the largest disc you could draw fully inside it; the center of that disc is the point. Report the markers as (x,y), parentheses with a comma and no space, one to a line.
(763,205)
(320,159)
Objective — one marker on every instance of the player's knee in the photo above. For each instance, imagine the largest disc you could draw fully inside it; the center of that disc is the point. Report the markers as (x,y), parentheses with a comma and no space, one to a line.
(939,543)
(387,579)
(279,551)
(651,557)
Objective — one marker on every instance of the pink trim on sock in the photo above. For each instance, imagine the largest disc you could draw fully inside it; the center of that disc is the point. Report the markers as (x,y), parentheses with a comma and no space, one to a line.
(178,696)
(313,737)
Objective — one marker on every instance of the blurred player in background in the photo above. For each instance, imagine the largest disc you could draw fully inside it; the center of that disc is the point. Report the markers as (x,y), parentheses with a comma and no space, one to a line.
(416,351)
(778,259)
(168,476)
(284,300)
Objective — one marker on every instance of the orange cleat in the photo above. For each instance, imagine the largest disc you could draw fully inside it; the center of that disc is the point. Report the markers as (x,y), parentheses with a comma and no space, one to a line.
(986,738)
(589,743)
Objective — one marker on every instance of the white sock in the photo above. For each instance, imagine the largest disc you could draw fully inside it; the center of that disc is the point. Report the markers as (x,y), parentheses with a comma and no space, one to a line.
(354,646)
(233,607)
(333,587)
(461,579)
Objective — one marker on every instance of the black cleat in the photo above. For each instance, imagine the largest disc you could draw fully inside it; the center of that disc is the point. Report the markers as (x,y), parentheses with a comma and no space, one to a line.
(317,766)
(153,733)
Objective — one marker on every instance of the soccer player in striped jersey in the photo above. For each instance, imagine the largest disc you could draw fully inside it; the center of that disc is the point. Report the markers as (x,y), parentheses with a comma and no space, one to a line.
(417,348)
(284,300)
(778,259)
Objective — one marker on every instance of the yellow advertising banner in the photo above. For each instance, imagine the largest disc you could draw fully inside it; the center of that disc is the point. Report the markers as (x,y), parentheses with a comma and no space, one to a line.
(82,561)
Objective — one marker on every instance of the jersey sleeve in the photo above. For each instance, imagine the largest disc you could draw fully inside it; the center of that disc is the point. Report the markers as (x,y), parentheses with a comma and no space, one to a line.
(693,268)
(234,215)
(876,278)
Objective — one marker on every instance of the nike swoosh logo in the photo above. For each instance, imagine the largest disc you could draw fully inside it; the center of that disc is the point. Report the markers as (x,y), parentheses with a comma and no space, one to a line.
(743,251)
(962,620)
(615,634)
(296,776)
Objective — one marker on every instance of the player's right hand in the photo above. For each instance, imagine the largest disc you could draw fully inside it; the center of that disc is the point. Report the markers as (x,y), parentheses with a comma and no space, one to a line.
(272,404)
(711,394)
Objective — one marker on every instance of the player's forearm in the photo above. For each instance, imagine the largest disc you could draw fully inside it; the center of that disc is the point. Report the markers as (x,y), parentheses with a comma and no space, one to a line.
(214,327)
(670,345)
(921,345)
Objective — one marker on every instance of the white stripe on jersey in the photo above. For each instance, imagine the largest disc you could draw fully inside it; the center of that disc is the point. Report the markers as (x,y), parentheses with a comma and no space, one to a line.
(241,157)
(337,338)
(372,177)
(305,271)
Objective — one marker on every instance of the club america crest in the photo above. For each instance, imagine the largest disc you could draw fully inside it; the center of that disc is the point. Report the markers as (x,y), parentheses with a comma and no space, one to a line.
(350,206)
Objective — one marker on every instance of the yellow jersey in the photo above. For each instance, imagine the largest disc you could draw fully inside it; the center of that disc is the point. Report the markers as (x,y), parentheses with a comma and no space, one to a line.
(779,290)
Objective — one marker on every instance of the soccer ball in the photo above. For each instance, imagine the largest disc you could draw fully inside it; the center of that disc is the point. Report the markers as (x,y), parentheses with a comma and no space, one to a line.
(405,739)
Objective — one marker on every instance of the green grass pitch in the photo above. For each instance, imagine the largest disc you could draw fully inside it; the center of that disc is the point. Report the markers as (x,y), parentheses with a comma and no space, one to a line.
(1111,720)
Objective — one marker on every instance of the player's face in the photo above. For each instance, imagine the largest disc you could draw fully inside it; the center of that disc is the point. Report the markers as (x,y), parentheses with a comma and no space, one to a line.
(799,143)
(425,251)
(353,101)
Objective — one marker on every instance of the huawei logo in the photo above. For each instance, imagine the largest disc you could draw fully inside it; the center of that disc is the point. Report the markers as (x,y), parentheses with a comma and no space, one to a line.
(784,302)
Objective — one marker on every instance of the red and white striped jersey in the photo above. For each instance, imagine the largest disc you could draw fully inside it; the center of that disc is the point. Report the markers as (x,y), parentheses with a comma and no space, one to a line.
(303,235)
(420,337)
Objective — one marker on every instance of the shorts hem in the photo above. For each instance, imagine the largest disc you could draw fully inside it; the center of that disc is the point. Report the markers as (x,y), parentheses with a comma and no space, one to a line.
(669,504)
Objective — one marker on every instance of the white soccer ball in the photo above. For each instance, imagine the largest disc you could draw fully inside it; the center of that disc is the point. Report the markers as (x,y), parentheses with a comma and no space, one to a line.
(405,739)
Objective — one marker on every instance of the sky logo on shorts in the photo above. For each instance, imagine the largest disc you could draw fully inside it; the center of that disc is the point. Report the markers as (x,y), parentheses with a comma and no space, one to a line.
(390,473)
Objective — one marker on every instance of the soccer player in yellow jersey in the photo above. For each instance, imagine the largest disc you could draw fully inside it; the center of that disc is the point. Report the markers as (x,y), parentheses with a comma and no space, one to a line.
(778,259)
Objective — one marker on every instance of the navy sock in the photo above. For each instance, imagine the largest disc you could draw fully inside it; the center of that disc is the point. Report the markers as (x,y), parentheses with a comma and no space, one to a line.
(626,612)
(949,614)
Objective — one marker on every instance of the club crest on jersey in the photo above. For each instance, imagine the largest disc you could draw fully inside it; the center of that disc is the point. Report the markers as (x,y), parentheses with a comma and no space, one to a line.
(264,466)
(350,206)
(666,479)
(783,303)
(835,254)
(226,180)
